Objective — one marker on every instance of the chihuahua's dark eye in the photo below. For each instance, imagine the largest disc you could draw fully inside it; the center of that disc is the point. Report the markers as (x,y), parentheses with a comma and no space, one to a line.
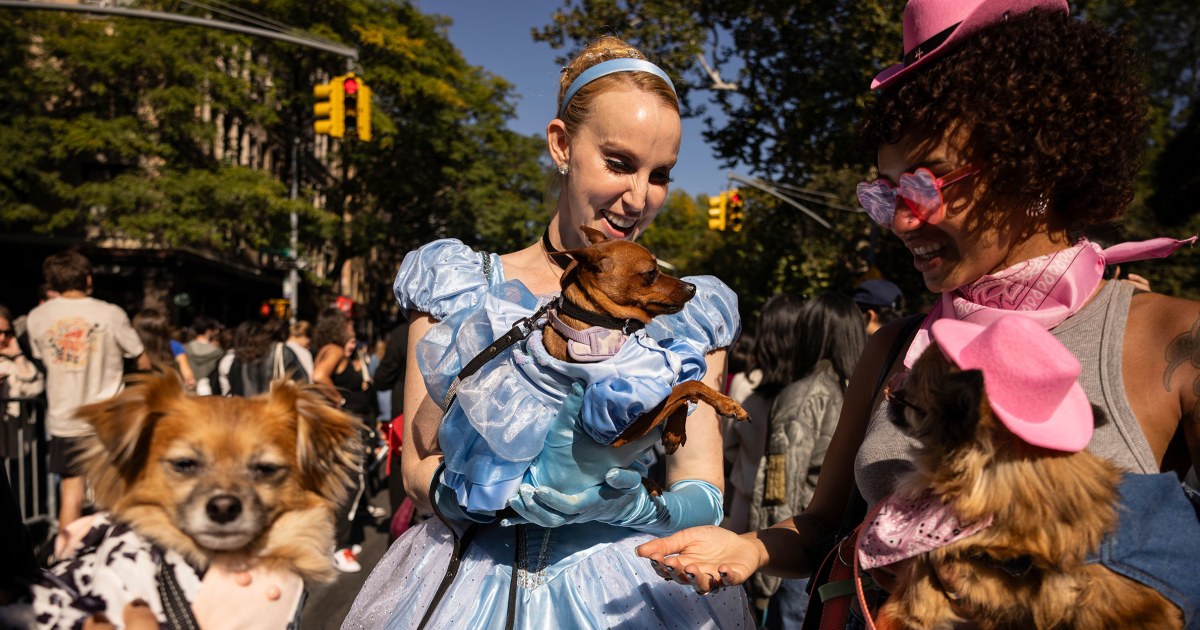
(650,276)
(185,465)
(266,471)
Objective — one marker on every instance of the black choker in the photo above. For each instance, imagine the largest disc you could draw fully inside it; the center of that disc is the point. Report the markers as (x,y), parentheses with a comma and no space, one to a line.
(560,259)
(627,326)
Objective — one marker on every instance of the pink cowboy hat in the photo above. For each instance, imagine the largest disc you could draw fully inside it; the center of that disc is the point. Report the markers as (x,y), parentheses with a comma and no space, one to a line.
(1031,379)
(931,27)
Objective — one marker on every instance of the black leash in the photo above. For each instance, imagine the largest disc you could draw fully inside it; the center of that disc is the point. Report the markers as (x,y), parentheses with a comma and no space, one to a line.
(519,331)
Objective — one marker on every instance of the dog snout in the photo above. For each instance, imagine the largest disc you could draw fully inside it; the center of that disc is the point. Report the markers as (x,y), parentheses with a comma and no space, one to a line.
(690,289)
(224,508)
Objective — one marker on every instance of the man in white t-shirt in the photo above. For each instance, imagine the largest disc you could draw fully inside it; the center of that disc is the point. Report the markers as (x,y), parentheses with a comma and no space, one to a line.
(83,343)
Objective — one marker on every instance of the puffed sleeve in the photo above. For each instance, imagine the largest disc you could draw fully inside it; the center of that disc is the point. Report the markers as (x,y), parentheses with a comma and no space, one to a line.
(710,318)
(441,278)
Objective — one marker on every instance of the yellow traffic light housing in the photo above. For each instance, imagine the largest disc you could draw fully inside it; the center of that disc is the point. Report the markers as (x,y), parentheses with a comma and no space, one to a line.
(716,212)
(330,108)
(362,120)
(734,210)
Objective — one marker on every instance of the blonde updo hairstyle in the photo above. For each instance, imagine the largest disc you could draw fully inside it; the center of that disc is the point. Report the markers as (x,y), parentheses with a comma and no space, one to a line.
(601,50)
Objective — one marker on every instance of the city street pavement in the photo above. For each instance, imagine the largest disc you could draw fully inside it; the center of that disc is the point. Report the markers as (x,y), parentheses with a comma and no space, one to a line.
(328,604)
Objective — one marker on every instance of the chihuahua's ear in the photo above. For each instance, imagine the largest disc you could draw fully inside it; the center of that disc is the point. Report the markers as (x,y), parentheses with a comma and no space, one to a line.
(125,423)
(327,444)
(590,258)
(593,235)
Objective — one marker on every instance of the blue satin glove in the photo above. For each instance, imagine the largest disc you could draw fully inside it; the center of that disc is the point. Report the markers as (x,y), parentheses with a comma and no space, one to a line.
(623,501)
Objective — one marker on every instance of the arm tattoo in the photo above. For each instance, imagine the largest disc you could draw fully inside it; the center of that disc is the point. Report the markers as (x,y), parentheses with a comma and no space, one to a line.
(1185,349)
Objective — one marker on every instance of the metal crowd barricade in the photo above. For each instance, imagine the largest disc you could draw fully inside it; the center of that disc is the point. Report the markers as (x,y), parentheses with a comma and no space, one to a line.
(23,447)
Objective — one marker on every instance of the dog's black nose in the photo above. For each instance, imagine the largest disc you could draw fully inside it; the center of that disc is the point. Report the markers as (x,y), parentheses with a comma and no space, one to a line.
(690,288)
(224,508)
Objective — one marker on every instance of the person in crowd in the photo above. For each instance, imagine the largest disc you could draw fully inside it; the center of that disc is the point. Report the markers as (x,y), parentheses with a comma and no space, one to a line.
(154,329)
(20,325)
(261,358)
(204,354)
(389,378)
(988,215)
(802,420)
(83,343)
(614,142)
(776,349)
(300,341)
(19,377)
(230,339)
(343,369)
(881,303)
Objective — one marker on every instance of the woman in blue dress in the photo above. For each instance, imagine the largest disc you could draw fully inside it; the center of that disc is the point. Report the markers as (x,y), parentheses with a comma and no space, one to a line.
(537,516)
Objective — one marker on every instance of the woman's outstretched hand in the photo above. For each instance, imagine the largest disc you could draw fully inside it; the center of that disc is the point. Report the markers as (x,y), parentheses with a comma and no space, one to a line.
(705,558)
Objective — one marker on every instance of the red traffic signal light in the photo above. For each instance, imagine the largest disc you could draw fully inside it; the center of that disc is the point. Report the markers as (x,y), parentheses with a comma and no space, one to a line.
(350,86)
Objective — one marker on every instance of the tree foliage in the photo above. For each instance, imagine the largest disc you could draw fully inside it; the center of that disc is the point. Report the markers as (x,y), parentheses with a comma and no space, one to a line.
(108,128)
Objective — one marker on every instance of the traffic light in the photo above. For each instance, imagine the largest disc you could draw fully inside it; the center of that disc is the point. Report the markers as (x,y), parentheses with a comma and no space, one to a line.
(357,106)
(330,109)
(363,112)
(716,212)
(734,210)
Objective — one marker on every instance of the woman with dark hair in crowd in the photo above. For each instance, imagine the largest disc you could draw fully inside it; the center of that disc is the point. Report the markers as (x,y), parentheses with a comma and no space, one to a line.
(154,329)
(774,359)
(343,369)
(1009,126)
(829,339)
(261,357)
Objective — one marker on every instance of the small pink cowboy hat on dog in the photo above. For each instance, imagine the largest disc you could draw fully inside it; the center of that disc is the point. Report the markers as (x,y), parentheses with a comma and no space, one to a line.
(931,27)
(1031,379)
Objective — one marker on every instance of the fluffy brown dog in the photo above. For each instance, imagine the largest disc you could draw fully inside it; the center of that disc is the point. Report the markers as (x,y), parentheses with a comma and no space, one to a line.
(240,481)
(620,279)
(1050,509)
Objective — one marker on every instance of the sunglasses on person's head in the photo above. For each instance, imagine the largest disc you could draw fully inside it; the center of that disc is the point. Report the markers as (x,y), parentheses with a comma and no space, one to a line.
(920,190)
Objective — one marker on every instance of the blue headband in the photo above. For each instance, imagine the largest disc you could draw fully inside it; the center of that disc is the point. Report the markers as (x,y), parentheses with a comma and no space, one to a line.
(611,66)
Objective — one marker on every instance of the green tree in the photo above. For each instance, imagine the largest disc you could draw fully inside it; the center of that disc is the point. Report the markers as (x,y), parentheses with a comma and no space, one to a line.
(108,128)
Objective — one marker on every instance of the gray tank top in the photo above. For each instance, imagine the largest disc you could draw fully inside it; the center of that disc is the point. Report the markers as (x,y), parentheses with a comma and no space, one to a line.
(1096,336)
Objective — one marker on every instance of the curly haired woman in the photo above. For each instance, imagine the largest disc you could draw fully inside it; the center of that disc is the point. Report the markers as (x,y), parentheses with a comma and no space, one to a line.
(1008,127)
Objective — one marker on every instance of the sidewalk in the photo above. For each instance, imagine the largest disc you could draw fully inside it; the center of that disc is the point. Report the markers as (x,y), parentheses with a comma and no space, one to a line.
(328,604)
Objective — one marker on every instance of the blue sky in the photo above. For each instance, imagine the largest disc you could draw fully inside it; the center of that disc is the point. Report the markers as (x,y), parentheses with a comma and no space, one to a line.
(495,34)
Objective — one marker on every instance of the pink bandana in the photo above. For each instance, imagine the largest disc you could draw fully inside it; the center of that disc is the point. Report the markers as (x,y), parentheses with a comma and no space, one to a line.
(1048,288)
(904,527)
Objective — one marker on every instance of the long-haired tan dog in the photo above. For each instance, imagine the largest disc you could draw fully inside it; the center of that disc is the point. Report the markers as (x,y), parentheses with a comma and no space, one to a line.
(248,481)
(1049,507)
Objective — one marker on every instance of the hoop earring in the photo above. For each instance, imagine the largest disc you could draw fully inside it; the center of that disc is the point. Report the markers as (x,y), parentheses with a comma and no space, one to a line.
(562,169)
(1038,207)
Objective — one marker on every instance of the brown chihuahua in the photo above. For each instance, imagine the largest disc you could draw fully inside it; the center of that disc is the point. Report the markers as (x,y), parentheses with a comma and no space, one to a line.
(616,285)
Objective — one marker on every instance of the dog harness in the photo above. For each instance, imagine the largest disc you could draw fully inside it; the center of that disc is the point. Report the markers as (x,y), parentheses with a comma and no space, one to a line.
(600,341)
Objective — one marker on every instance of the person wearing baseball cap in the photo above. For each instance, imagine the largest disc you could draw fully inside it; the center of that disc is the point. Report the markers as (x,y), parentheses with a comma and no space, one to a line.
(881,303)
(1002,128)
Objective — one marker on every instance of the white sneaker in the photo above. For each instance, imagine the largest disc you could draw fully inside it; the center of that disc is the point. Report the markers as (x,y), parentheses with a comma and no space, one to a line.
(357,549)
(345,561)
(375,511)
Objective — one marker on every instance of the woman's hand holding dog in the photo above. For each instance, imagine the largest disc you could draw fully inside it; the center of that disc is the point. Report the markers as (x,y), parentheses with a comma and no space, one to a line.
(619,498)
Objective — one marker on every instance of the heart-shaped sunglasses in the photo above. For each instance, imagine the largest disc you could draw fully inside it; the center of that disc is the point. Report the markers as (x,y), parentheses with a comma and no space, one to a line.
(921,191)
